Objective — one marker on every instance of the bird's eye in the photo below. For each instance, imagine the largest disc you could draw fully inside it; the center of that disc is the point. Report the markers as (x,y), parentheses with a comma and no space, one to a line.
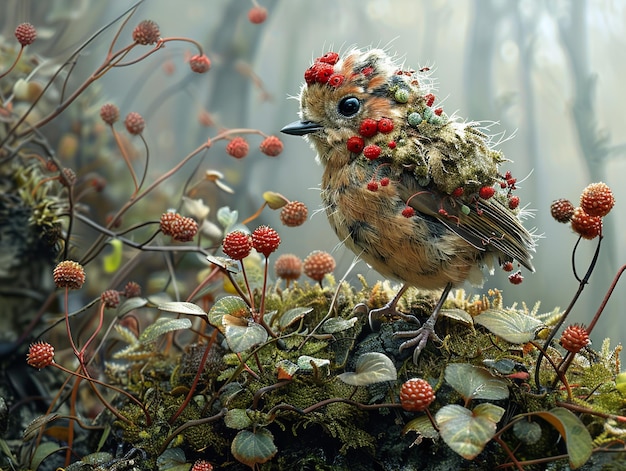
(349,106)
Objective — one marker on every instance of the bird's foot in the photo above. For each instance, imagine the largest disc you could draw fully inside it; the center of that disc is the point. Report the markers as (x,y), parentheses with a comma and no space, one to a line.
(386,313)
(419,338)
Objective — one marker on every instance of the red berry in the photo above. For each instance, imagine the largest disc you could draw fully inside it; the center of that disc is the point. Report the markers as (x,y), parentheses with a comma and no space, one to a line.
(385,125)
(368,128)
(562,210)
(336,80)
(486,192)
(294,214)
(110,298)
(309,75)
(588,227)
(372,186)
(180,228)
(385,181)
(507,266)
(147,32)
(391,144)
(271,146)
(516,278)
(237,245)
(574,338)
(288,267)
(416,395)
(265,240)
(40,355)
(202,465)
(597,199)
(132,290)
(430,99)
(134,123)
(69,274)
(257,15)
(458,192)
(238,147)
(109,113)
(371,152)
(438,111)
(200,63)
(513,202)
(317,264)
(329,58)
(25,34)
(408,212)
(323,72)
(355,144)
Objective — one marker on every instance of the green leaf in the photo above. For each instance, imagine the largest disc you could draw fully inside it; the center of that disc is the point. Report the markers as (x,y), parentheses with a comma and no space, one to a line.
(163,326)
(475,382)
(422,426)
(458,315)
(228,306)
(243,337)
(237,419)
(293,315)
(173,459)
(577,438)
(304,362)
(512,326)
(131,304)
(226,217)
(42,452)
(337,324)
(467,432)
(189,309)
(252,448)
(372,367)
(112,261)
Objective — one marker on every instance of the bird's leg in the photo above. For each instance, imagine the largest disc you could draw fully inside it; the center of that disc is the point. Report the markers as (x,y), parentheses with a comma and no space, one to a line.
(419,337)
(389,310)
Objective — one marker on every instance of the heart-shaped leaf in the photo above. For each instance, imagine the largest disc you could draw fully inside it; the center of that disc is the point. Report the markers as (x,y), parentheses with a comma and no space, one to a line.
(577,438)
(162,326)
(372,367)
(228,305)
(513,326)
(251,448)
(475,382)
(237,419)
(338,324)
(243,337)
(467,432)
(293,315)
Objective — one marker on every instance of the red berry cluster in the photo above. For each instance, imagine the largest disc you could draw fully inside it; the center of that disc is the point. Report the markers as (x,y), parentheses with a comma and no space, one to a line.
(181,228)
(200,63)
(109,113)
(238,147)
(25,34)
(202,465)
(288,267)
(271,146)
(323,69)
(69,274)
(416,395)
(40,355)
(110,298)
(237,245)
(596,201)
(265,240)
(369,128)
(294,214)
(147,32)
(132,290)
(134,123)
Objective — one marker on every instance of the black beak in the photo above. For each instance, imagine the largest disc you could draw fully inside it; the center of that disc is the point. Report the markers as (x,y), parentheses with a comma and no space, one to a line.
(301,128)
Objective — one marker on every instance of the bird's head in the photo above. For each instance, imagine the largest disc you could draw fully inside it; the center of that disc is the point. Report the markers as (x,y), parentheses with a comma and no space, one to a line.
(362,98)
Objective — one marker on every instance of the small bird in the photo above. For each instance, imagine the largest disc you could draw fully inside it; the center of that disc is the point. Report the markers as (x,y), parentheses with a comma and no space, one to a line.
(415,193)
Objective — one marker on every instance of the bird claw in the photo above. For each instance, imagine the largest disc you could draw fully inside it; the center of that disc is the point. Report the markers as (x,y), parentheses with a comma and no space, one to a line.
(418,339)
(376,316)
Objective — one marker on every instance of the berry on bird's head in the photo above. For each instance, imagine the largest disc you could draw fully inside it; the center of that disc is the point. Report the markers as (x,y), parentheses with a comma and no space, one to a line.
(385,125)
(368,128)
(371,152)
(597,199)
(265,240)
(486,192)
(329,58)
(355,144)
(416,395)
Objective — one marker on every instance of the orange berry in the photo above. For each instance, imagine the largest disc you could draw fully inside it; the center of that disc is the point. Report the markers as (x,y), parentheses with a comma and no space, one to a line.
(562,210)
(265,240)
(40,355)
(237,245)
(134,123)
(288,267)
(147,32)
(257,15)
(574,338)
(317,264)
(271,146)
(69,274)
(294,214)
(25,34)
(416,395)
(238,147)
(180,228)
(110,298)
(200,63)
(588,227)
(597,199)
(109,113)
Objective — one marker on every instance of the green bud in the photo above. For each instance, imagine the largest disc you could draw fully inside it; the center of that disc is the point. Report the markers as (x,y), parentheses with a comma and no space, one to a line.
(401,95)
(414,119)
